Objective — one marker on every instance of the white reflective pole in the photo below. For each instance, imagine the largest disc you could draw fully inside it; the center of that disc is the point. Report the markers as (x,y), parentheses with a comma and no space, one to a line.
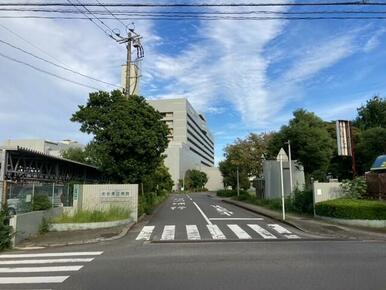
(282,186)
(238,183)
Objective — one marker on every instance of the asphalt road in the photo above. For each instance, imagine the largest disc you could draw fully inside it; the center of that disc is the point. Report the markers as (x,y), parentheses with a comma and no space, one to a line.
(233,263)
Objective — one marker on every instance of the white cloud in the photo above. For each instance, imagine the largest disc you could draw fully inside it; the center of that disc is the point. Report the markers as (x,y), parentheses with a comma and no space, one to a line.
(374,41)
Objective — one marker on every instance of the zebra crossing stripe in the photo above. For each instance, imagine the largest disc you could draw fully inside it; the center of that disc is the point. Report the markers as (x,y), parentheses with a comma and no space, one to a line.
(64,254)
(279,229)
(45,261)
(145,234)
(239,232)
(31,280)
(215,232)
(192,232)
(40,269)
(168,233)
(262,232)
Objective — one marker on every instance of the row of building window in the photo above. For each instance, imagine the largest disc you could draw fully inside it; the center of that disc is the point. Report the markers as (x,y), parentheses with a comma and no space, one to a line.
(201,155)
(204,136)
(210,156)
(190,133)
(190,126)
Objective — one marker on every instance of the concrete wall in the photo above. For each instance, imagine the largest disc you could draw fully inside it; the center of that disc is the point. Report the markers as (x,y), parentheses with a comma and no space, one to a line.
(271,171)
(327,190)
(104,196)
(215,179)
(27,224)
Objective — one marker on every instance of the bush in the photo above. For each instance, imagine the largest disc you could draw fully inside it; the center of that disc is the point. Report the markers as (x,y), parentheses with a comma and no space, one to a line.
(44,226)
(302,201)
(88,216)
(230,193)
(148,201)
(356,188)
(352,209)
(41,202)
(5,229)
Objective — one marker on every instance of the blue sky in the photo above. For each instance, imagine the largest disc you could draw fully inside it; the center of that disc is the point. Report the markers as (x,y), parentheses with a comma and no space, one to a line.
(246,76)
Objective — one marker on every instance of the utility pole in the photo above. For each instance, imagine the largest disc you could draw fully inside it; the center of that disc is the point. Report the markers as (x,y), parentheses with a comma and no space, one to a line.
(238,182)
(133,40)
(290,166)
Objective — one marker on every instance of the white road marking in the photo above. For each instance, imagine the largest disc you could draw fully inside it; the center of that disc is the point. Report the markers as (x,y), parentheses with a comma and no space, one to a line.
(46,261)
(192,232)
(236,219)
(215,232)
(145,233)
(30,280)
(279,229)
(262,232)
(222,210)
(63,254)
(189,197)
(292,236)
(202,213)
(40,269)
(168,233)
(239,232)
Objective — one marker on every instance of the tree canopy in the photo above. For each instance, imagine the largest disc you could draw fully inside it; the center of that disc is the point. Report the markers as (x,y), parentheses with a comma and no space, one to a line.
(75,154)
(311,143)
(129,136)
(195,179)
(372,115)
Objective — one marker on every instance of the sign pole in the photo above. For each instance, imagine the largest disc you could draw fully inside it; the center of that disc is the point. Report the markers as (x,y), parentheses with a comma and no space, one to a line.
(282,186)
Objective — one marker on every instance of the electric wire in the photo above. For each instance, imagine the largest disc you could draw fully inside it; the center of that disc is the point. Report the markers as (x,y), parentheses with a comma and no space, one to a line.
(109,11)
(47,72)
(57,65)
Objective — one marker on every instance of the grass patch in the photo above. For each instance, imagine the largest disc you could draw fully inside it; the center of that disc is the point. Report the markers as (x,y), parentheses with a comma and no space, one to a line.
(352,209)
(88,216)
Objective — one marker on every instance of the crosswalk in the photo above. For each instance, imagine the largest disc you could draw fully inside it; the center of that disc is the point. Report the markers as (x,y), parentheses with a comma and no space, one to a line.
(42,268)
(214,232)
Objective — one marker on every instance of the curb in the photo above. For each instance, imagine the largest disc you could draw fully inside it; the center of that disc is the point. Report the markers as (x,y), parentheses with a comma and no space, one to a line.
(266,215)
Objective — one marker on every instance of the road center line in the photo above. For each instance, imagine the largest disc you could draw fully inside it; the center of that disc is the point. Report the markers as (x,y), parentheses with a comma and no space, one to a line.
(202,213)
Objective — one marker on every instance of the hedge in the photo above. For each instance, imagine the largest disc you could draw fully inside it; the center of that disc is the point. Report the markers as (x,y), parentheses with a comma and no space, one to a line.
(352,209)
(230,193)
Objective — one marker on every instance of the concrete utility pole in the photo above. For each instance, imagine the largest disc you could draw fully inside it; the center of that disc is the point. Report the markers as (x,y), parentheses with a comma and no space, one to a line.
(238,182)
(290,166)
(133,40)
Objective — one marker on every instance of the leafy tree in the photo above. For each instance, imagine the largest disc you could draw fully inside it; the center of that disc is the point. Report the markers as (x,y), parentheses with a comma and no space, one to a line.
(373,114)
(229,173)
(195,179)
(76,154)
(5,229)
(160,181)
(129,135)
(311,142)
(372,144)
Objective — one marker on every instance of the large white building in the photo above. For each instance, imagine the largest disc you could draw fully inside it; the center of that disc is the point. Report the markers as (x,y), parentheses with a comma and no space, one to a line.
(43,146)
(191,144)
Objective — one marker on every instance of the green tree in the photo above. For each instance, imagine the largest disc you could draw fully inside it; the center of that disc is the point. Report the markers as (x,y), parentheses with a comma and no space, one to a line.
(195,179)
(76,154)
(160,181)
(311,143)
(229,173)
(372,143)
(373,114)
(129,135)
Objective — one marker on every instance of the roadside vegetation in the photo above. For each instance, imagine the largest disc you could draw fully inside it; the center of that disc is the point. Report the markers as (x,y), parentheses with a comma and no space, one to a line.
(88,216)
(5,229)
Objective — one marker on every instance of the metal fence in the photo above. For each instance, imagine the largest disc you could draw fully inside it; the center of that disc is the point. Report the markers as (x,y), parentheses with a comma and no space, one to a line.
(376,185)
(25,197)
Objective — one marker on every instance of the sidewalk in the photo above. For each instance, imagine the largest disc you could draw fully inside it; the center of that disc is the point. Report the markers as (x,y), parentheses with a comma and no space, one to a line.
(314,226)
(55,239)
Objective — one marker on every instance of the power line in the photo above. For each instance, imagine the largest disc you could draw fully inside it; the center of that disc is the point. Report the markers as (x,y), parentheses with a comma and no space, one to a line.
(109,11)
(57,65)
(29,42)
(346,3)
(47,72)
(178,18)
(92,20)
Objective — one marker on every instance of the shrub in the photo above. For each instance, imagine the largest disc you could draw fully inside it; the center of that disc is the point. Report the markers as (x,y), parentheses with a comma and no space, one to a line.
(230,193)
(356,188)
(352,209)
(44,226)
(41,202)
(88,216)
(5,229)
(302,201)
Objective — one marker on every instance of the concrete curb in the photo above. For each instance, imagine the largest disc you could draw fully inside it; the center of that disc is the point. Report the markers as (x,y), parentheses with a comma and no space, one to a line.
(65,227)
